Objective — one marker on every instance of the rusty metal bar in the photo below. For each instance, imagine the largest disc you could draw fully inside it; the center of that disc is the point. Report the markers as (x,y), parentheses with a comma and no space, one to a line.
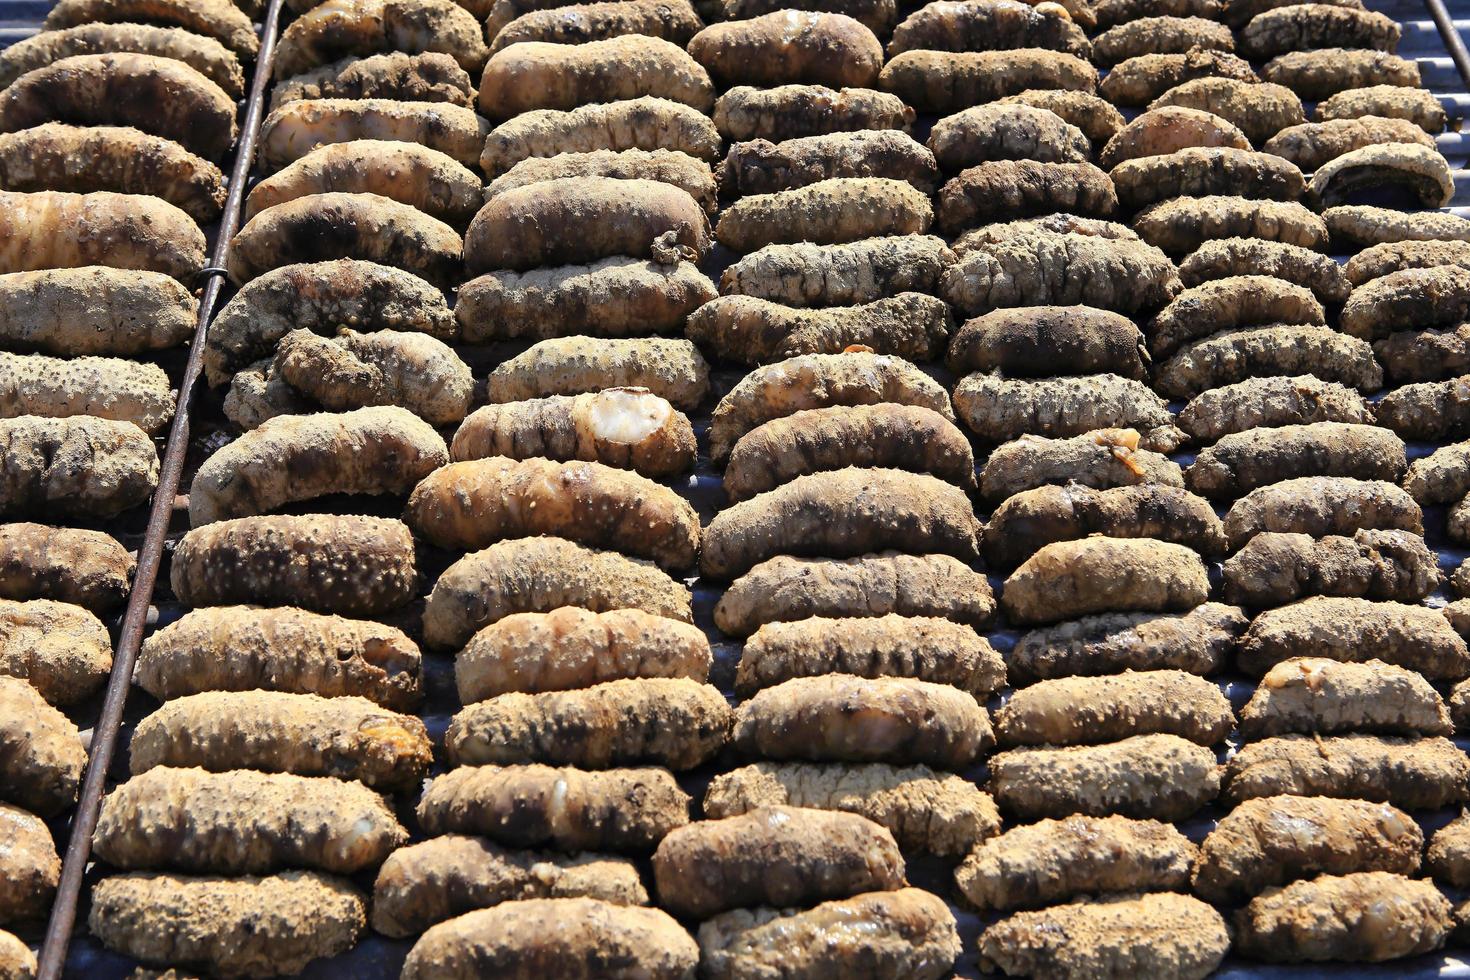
(104,735)
(1451,37)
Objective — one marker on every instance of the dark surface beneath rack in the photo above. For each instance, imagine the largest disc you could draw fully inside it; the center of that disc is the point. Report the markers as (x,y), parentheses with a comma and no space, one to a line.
(376,957)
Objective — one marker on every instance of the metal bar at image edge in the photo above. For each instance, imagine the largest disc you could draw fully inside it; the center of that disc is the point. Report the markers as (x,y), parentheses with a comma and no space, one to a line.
(1452,40)
(150,555)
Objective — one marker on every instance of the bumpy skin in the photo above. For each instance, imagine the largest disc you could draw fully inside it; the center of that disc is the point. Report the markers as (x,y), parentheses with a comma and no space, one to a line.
(296,128)
(1239,13)
(842,514)
(997,409)
(1314,695)
(1353,631)
(1312,145)
(339,28)
(787,112)
(575,938)
(408,173)
(321,297)
(1183,224)
(1275,401)
(103,387)
(877,16)
(630,428)
(1363,225)
(536,75)
(785,589)
(570,648)
(1448,858)
(1199,171)
(160,96)
(473,504)
(447,876)
(1279,839)
(1275,568)
(81,466)
(907,933)
(1138,81)
(1259,109)
(1006,189)
(1236,356)
(681,170)
(1160,35)
(384,450)
(829,212)
(427,77)
(1385,101)
(1233,257)
(1094,116)
(789,47)
(230,926)
(17,962)
(1100,459)
(566,809)
(1419,171)
(612,297)
(1161,935)
(322,227)
(57,230)
(1241,462)
(1442,477)
(386,368)
(645,123)
(886,435)
(842,718)
(1408,298)
(1411,773)
(356,566)
(192,820)
(1093,710)
(924,810)
(1030,520)
(1068,579)
(1321,74)
(672,21)
(1043,341)
(205,55)
(1386,258)
(1429,411)
(715,865)
(943,82)
(986,27)
(806,275)
(1302,27)
(814,381)
(1005,131)
(763,167)
(72,565)
(1039,267)
(58,157)
(929,649)
(672,722)
(272,731)
(241,648)
(1199,641)
(94,310)
(1160,777)
(62,650)
(532,225)
(1053,861)
(41,752)
(539,575)
(1367,917)
(1167,130)
(1109,13)
(1322,505)
(31,866)
(757,331)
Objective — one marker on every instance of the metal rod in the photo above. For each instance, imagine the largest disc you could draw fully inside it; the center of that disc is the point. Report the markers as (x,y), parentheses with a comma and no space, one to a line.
(150,555)
(1451,37)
